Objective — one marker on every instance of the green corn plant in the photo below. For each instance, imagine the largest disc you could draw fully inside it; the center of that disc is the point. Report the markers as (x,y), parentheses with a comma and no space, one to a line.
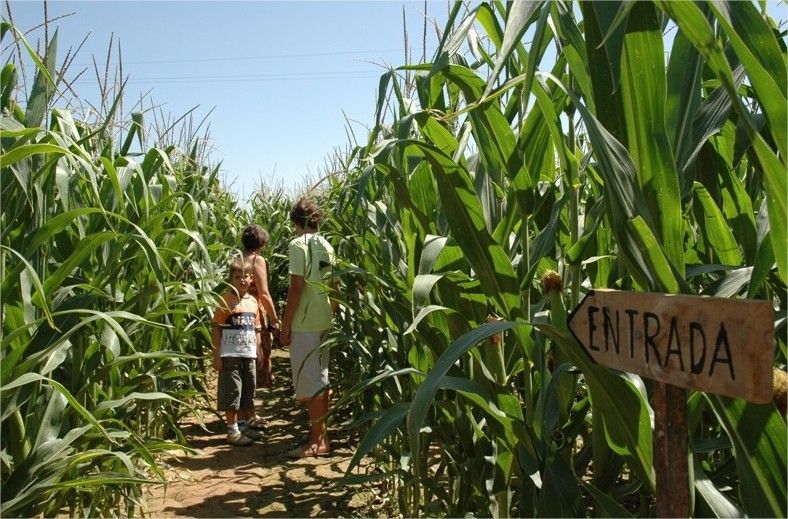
(498,170)
(108,276)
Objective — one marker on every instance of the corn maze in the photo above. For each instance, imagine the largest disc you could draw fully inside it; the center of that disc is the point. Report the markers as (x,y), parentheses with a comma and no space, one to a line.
(556,148)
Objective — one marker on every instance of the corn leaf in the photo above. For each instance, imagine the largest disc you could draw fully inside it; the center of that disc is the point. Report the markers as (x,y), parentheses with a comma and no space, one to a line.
(758,435)
(643,94)
(423,398)
(716,230)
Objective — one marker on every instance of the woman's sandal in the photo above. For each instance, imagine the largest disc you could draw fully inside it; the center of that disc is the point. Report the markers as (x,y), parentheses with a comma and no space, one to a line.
(308,451)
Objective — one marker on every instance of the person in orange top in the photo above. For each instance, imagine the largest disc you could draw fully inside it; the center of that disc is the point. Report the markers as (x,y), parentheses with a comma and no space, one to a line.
(254,238)
(236,329)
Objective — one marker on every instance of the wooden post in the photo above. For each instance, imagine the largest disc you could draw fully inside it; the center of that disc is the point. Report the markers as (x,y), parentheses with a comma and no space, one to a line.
(671,450)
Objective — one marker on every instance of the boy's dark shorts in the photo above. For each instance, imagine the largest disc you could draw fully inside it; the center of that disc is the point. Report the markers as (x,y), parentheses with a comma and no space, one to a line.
(236,384)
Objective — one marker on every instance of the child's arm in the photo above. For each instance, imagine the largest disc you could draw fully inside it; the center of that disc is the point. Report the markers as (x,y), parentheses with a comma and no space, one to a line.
(258,331)
(293,297)
(216,339)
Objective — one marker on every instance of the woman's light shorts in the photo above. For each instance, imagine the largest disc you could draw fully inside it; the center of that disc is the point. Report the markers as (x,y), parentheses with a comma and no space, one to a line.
(310,365)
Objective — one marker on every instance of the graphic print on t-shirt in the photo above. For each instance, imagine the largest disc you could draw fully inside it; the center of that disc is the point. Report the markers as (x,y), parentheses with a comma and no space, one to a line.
(238,337)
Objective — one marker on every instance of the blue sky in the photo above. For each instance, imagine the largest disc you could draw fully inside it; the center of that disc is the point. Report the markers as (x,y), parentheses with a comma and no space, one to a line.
(277,75)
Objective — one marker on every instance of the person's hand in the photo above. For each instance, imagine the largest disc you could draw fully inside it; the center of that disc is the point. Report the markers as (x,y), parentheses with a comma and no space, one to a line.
(273,327)
(217,363)
(284,336)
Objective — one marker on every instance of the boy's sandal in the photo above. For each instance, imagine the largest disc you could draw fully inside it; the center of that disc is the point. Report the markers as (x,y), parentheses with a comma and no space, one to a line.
(255,434)
(239,439)
(256,422)
(308,451)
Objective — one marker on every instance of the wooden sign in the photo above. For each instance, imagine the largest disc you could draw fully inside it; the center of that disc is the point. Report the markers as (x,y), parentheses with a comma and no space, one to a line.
(716,345)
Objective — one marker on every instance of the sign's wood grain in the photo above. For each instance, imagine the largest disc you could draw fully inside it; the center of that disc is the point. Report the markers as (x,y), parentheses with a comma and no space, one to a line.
(723,346)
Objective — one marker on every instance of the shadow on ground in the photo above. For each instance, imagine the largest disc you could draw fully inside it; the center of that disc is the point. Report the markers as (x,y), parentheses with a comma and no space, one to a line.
(257,480)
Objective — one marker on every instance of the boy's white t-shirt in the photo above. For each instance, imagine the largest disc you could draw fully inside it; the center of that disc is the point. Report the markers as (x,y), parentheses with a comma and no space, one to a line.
(238,320)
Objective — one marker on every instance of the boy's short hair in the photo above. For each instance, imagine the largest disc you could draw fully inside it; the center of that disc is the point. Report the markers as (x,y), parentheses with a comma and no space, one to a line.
(239,264)
(306,213)
(253,237)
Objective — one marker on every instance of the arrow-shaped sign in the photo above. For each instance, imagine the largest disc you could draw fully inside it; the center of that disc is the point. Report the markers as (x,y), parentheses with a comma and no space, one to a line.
(716,345)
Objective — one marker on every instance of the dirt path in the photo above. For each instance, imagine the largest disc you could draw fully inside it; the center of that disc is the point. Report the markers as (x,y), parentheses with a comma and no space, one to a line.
(259,480)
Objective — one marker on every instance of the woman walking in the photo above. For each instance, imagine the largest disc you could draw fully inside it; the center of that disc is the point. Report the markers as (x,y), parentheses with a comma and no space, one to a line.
(254,238)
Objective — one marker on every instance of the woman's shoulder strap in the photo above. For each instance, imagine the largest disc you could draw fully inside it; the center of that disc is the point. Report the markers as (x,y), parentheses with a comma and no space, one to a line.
(258,257)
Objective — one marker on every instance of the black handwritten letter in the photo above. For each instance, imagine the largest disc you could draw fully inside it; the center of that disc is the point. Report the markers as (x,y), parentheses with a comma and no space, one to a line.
(591,327)
(609,331)
(697,367)
(722,340)
(673,338)
(631,314)
(648,338)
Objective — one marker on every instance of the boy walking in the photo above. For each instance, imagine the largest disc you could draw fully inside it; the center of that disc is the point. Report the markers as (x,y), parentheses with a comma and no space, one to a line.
(306,321)
(236,329)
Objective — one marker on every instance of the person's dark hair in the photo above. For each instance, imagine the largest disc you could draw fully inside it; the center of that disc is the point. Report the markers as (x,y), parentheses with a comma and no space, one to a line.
(254,237)
(306,213)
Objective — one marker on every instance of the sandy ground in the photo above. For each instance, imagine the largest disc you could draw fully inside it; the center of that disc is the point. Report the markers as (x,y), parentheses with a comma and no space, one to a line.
(259,480)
